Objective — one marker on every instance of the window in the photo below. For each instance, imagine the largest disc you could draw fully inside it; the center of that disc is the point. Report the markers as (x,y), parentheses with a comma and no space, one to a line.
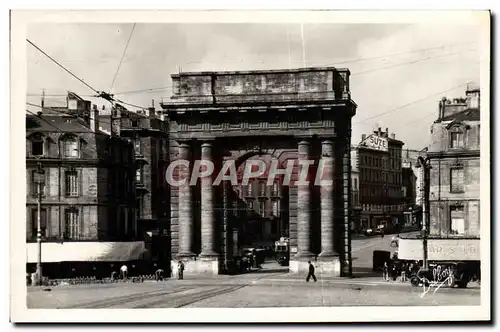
(135,123)
(457,220)
(250,205)
(34,222)
(70,146)
(71,178)
(457,180)
(456,138)
(71,223)
(355,184)
(276,208)
(35,185)
(137,146)
(262,208)
(37,145)
(138,207)
(138,175)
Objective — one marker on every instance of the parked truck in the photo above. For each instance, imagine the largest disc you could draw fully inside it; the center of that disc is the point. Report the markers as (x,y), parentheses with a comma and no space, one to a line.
(452,261)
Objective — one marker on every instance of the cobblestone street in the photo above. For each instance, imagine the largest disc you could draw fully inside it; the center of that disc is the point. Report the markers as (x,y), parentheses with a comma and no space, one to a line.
(253,290)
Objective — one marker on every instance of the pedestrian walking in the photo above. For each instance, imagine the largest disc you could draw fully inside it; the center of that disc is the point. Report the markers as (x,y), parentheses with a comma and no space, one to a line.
(385,272)
(159,275)
(311,273)
(180,269)
(403,273)
(124,271)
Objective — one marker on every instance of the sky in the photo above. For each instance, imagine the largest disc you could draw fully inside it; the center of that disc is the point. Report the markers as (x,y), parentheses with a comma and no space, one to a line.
(399,72)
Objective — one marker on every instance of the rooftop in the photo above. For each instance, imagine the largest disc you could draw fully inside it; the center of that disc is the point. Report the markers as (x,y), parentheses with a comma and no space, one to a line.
(262,71)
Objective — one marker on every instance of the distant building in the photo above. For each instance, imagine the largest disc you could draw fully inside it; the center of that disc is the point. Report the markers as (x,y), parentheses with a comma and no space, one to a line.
(380,174)
(355,194)
(148,132)
(88,192)
(454,155)
(411,186)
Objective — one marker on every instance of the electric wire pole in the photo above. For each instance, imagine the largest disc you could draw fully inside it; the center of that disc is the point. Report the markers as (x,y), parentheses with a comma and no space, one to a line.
(40,182)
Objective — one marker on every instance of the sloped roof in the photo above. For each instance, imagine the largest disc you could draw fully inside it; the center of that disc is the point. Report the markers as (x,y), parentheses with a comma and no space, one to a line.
(465,115)
(56,123)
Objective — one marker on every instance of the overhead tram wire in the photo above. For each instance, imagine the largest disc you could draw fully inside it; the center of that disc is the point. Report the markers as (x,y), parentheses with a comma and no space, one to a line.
(337,63)
(100,94)
(354,73)
(410,103)
(60,65)
(412,62)
(123,56)
(400,53)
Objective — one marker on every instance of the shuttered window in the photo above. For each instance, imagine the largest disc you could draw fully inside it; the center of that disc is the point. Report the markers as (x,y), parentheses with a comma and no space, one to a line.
(457,180)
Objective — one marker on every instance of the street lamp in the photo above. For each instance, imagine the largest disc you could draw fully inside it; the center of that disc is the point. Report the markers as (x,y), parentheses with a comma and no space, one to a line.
(424,163)
(40,182)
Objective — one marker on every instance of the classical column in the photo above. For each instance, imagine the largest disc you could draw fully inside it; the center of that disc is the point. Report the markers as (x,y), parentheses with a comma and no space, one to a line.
(186,225)
(304,206)
(327,220)
(207,207)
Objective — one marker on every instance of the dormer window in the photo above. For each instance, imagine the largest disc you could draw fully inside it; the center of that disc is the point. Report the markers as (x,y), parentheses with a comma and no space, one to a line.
(70,147)
(456,138)
(37,143)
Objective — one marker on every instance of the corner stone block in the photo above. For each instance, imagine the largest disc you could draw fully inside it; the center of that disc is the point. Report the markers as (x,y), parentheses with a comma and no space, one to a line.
(197,268)
(329,269)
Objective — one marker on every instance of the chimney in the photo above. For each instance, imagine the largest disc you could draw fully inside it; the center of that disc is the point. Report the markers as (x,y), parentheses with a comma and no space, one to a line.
(363,137)
(116,122)
(150,113)
(379,131)
(386,132)
(393,136)
(94,119)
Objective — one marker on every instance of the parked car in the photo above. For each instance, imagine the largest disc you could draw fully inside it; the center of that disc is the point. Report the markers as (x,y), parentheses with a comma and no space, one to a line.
(395,241)
(380,230)
(369,232)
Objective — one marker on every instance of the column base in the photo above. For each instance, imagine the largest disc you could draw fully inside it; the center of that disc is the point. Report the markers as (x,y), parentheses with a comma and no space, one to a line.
(304,256)
(208,255)
(327,255)
(323,268)
(197,267)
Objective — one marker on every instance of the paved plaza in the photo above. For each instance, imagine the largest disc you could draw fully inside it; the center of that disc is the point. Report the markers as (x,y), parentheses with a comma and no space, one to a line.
(270,287)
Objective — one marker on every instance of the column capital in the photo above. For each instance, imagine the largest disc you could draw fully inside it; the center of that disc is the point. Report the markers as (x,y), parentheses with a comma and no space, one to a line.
(207,144)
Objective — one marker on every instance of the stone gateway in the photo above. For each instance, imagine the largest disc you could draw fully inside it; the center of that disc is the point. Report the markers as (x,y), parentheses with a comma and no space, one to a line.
(301,115)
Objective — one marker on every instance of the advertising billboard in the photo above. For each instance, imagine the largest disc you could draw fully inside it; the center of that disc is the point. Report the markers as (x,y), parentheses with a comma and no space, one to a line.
(440,249)
(375,142)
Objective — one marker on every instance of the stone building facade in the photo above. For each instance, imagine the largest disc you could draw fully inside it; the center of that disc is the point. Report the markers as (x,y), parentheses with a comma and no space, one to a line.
(454,155)
(148,132)
(88,192)
(380,172)
(300,114)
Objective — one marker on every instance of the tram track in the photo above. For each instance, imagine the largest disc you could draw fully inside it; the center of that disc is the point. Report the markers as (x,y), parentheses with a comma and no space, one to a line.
(124,299)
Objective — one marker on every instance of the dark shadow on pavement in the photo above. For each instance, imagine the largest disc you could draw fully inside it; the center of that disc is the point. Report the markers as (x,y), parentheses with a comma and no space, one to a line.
(269,270)
(365,272)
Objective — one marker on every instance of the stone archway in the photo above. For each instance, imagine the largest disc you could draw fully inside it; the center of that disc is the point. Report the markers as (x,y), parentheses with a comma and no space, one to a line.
(304,112)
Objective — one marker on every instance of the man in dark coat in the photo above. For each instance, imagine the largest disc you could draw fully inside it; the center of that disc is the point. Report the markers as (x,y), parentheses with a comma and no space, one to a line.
(180,274)
(311,273)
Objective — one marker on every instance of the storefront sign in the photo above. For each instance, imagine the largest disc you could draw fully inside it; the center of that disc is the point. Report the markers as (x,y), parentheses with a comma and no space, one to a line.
(440,249)
(376,143)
